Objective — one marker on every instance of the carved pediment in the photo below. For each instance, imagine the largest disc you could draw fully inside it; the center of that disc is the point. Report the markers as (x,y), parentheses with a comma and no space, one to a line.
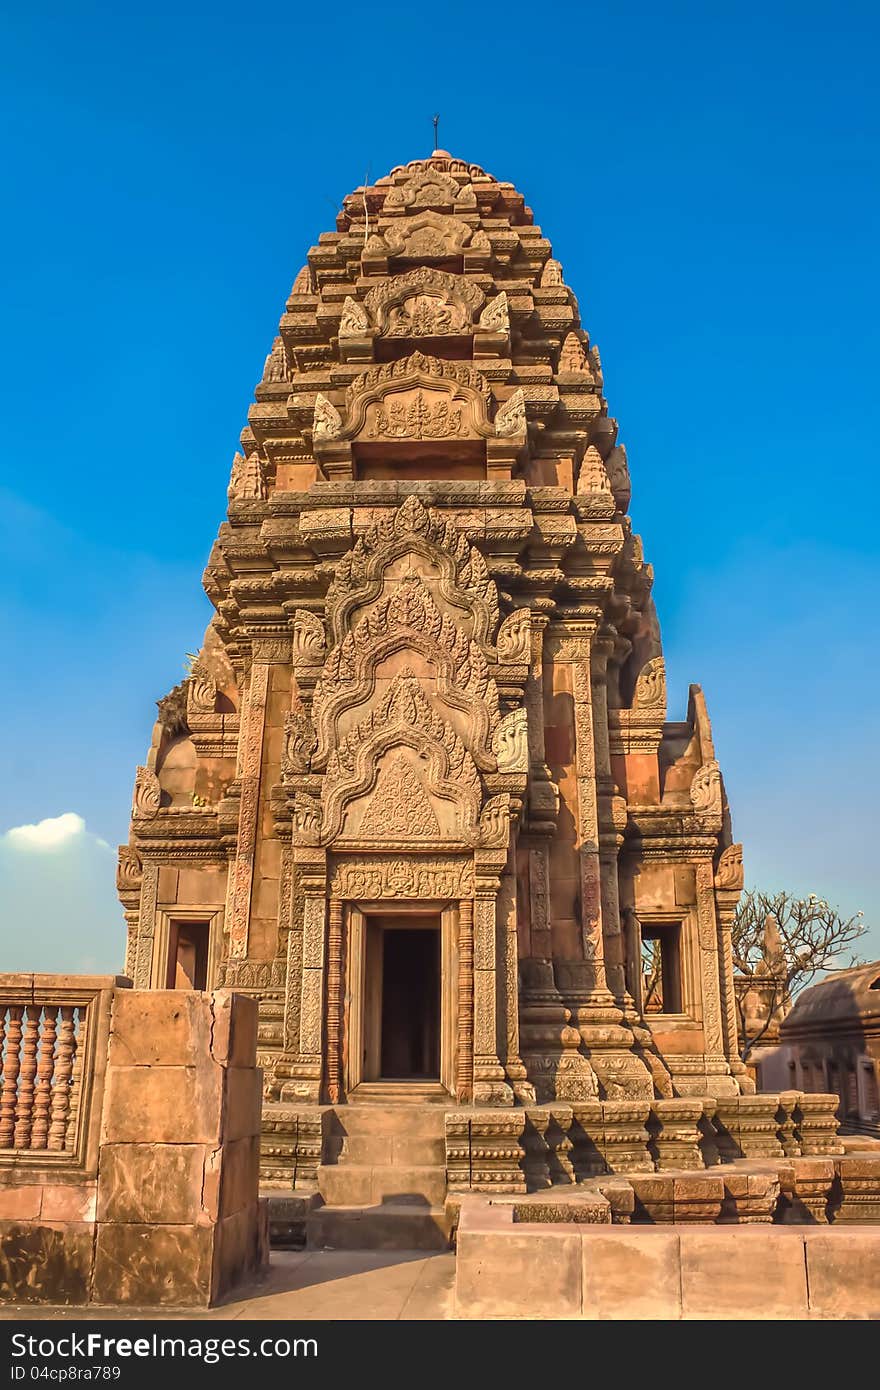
(371,765)
(430,188)
(409,620)
(464,580)
(418,398)
(424,303)
(426,236)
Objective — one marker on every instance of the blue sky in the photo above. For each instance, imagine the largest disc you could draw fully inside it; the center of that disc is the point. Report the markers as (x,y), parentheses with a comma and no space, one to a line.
(708,177)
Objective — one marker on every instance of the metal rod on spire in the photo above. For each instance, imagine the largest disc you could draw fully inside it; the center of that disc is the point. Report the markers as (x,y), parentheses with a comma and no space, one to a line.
(436,120)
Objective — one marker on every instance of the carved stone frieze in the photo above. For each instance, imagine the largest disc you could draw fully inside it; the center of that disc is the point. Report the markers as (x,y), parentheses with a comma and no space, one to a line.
(432,877)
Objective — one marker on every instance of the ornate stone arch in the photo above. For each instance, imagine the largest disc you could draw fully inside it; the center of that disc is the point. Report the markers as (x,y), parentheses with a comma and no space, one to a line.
(464,581)
(404,719)
(408,620)
(424,302)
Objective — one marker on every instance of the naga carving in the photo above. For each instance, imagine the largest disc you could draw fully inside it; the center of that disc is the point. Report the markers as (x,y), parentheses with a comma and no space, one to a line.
(147,794)
(729,873)
(706,789)
(651,685)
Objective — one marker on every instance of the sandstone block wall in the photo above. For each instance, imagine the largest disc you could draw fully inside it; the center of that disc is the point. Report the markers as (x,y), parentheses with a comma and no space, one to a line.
(166,1211)
(506,1269)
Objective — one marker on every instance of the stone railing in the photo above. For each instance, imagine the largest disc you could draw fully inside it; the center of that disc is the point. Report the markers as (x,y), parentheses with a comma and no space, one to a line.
(130,1123)
(53,1048)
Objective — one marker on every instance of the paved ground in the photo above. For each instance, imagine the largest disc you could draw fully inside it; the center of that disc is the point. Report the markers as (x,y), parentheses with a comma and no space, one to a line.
(321,1284)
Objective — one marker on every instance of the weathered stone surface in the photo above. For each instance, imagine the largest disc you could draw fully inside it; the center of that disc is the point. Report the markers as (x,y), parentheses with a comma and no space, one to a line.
(529,1276)
(153,1265)
(843,1272)
(163,1105)
(169,1027)
(631,1274)
(143,1183)
(41,1263)
(718,1273)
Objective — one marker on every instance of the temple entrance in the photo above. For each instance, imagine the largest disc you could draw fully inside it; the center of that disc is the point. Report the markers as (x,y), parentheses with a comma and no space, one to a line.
(402,999)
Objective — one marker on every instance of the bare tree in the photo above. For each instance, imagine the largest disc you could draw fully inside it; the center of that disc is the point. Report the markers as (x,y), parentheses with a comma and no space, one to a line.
(780,944)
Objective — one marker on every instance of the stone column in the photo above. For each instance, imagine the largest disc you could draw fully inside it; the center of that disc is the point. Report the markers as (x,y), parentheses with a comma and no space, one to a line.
(250,750)
(308,1068)
(718,1072)
(611,822)
(588,813)
(143,964)
(490,1086)
(464,1063)
(725,901)
(508,947)
(334,1001)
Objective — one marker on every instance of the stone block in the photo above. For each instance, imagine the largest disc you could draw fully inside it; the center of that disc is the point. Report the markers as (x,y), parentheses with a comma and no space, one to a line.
(239,1247)
(239,1175)
(21,1203)
(653,1197)
(42,1263)
(164,1105)
(721,1273)
(243,1102)
(843,1272)
(163,1027)
(631,1274)
(697,1197)
(69,1202)
(533,1275)
(234,1040)
(153,1266)
(142,1183)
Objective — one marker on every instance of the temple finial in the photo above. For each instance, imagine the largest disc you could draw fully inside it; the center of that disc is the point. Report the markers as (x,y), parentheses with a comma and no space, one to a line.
(436,120)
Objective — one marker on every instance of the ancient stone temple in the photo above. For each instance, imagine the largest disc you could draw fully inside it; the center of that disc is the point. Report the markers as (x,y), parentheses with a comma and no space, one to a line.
(419,793)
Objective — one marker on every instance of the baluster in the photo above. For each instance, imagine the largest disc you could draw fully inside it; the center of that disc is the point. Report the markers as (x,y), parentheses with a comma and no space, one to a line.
(43,1093)
(61,1086)
(75,1090)
(10,1076)
(24,1110)
(4,1009)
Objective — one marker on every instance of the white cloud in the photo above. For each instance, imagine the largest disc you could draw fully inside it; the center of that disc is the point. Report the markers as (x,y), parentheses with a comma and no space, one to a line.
(58,904)
(53,833)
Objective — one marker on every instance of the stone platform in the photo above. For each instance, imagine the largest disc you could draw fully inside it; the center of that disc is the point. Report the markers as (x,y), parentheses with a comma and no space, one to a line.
(386,1176)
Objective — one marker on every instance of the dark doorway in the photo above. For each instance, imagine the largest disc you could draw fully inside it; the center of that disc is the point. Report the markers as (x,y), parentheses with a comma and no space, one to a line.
(188,956)
(411,1003)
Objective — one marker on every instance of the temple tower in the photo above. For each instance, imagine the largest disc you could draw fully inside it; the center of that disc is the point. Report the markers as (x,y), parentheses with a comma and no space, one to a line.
(419,793)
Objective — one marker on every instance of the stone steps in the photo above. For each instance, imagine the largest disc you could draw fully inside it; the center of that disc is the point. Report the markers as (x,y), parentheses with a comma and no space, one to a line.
(409,1151)
(383,1178)
(390,1226)
(360,1184)
(399,1093)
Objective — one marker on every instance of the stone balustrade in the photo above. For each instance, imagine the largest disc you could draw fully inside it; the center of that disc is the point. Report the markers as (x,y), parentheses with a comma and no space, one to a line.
(53,1045)
(129,1164)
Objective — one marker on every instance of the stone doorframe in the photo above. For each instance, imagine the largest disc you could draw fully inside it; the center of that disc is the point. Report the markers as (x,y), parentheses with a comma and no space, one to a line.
(354,1003)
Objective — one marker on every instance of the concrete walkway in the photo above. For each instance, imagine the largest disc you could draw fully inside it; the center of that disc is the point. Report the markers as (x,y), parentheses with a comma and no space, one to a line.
(303,1284)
